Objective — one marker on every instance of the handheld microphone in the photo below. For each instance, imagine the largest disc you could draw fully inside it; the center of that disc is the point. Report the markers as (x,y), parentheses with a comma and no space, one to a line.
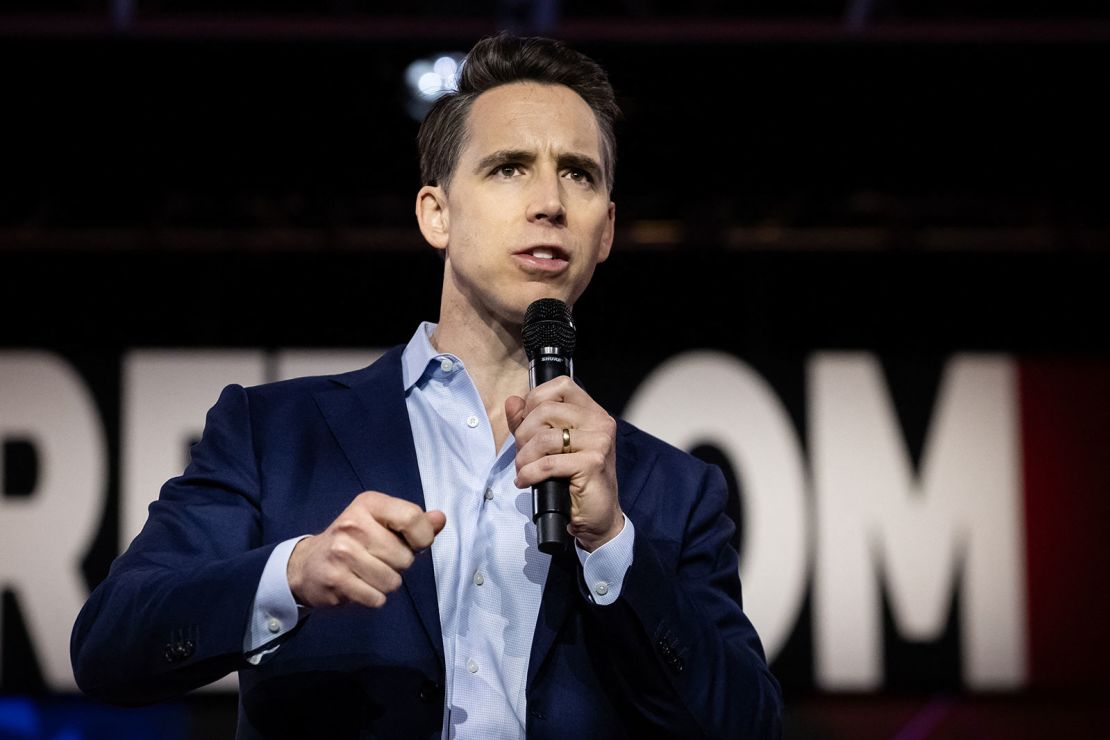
(549,338)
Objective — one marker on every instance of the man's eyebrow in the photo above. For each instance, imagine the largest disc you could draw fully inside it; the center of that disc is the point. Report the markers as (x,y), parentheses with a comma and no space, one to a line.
(580,162)
(502,156)
(573,160)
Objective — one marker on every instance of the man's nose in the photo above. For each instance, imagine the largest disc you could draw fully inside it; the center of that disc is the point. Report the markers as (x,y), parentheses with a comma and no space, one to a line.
(546,201)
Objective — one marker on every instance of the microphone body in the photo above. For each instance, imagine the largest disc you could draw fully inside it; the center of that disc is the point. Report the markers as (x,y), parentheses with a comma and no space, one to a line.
(549,339)
(550,498)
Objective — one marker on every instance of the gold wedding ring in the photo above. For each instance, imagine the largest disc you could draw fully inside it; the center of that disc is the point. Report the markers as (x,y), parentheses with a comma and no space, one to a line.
(566,441)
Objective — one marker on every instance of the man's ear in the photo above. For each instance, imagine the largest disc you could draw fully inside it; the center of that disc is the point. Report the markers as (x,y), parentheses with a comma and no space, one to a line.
(432,215)
(607,234)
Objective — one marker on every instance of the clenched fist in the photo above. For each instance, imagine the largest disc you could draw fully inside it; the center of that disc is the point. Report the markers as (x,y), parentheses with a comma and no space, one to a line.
(360,557)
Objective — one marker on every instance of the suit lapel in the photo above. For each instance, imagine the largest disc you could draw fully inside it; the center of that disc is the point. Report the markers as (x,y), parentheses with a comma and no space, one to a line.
(367,414)
(561,591)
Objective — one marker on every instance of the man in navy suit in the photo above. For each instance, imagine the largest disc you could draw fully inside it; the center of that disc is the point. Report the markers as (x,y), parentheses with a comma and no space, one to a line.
(359,547)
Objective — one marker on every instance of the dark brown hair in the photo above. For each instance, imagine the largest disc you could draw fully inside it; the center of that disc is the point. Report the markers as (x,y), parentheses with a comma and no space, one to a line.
(500,60)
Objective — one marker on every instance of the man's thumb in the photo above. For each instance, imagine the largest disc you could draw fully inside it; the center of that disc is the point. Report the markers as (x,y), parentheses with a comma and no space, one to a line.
(514,412)
(437,519)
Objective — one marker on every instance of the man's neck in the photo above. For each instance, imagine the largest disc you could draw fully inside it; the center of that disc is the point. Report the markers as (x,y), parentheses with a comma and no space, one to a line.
(494,359)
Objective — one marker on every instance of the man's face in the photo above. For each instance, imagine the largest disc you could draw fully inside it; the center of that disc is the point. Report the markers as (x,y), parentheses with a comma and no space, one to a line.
(527,214)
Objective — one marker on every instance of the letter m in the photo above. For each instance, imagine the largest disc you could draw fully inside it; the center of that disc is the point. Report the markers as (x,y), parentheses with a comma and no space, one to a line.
(960,517)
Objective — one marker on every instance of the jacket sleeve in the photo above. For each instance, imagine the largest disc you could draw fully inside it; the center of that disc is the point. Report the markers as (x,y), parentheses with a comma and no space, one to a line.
(171,614)
(676,645)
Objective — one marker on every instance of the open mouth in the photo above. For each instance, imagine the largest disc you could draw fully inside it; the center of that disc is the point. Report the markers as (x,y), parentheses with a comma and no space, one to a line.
(546,253)
(543,259)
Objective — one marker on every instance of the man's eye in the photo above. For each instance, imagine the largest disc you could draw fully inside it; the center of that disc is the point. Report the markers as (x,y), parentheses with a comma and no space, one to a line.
(507,170)
(579,176)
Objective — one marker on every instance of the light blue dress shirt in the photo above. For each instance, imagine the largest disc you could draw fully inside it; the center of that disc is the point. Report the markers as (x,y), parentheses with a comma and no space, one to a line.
(489,573)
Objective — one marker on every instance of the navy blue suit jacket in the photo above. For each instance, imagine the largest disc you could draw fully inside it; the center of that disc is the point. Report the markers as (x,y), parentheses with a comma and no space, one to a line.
(674,656)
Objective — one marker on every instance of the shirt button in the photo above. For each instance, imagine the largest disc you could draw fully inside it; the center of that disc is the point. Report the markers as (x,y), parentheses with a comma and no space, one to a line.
(446,365)
(472,421)
(479,579)
(471,666)
(489,494)
(601,588)
(273,625)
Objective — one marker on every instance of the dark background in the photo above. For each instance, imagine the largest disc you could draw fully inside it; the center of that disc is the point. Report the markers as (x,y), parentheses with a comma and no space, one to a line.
(912,179)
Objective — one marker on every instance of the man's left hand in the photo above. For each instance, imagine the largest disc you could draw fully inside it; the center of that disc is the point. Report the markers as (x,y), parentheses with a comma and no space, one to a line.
(537,422)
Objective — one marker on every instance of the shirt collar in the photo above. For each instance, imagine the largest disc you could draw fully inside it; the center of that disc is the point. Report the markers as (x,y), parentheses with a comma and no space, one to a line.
(418,354)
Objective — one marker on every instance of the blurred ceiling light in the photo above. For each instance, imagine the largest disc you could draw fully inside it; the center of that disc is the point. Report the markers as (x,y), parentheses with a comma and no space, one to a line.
(429,78)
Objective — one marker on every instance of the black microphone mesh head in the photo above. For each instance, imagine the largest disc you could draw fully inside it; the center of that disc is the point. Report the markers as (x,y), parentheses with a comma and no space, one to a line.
(548,323)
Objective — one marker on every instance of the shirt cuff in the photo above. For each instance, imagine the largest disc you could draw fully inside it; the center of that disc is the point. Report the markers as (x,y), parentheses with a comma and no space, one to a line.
(274,611)
(603,570)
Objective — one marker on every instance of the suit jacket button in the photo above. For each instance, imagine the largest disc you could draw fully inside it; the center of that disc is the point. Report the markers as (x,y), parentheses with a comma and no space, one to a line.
(190,648)
(168,653)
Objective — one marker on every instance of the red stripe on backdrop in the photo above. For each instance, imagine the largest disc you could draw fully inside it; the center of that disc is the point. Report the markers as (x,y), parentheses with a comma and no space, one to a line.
(1065,425)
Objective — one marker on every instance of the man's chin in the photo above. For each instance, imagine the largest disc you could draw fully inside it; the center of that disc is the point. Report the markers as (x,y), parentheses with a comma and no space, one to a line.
(507,307)
(531,296)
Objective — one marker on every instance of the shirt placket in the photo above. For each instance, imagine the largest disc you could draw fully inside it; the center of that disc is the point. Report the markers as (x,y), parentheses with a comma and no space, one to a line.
(470,659)
(500,559)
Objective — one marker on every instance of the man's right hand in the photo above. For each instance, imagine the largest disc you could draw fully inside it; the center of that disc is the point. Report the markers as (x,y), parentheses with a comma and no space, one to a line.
(360,557)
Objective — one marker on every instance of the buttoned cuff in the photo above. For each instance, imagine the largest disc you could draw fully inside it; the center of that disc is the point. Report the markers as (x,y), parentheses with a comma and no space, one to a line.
(274,611)
(603,570)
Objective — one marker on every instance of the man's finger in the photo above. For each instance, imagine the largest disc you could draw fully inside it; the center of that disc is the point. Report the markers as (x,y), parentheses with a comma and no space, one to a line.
(514,412)
(550,415)
(550,442)
(356,590)
(406,519)
(560,390)
(559,466)
(376,573)
(437,519)
(390,547)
